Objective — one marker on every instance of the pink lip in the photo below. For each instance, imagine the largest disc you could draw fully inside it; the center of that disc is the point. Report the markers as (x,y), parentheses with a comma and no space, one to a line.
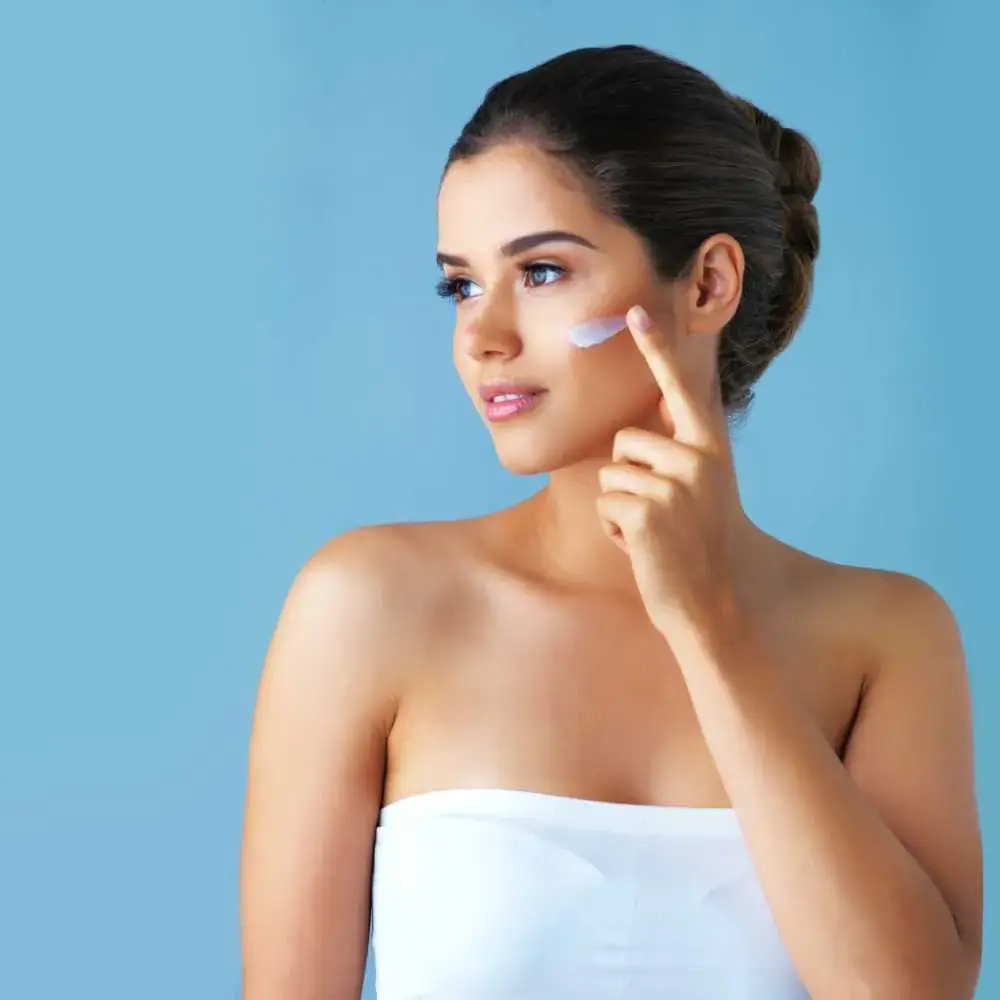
(504,409)
(490,390)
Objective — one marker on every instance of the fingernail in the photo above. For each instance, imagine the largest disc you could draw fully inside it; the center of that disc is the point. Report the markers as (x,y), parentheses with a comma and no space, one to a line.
(639,318)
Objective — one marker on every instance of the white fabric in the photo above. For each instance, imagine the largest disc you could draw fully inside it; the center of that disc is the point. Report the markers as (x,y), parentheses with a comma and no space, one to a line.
(496,894)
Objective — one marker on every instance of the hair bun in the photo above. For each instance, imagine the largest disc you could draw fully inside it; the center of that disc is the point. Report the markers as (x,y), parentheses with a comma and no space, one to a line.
(798,181)
(797,177)
(797,163)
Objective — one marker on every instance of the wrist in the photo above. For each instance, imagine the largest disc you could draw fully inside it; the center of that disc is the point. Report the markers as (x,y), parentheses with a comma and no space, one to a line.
(710,628)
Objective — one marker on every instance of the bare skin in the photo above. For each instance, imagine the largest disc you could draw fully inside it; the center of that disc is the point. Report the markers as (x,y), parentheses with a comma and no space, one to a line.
(568,689)
(514,651)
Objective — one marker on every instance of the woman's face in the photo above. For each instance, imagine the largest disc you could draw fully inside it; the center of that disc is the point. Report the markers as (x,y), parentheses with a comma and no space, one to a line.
(519,291)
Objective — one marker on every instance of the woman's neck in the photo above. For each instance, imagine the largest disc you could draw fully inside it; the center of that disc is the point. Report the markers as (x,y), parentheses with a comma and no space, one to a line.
(563,537)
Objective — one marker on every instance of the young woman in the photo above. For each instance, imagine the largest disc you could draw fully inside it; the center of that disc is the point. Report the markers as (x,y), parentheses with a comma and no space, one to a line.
(615,741)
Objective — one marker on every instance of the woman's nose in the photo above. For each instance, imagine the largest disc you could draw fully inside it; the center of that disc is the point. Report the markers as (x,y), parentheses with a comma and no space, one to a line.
(490,333)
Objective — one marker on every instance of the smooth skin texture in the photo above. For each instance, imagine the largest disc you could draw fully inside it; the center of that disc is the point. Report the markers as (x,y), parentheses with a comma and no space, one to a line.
(626,634)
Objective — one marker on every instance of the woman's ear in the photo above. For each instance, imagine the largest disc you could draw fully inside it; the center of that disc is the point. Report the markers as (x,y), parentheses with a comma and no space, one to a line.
(714,285)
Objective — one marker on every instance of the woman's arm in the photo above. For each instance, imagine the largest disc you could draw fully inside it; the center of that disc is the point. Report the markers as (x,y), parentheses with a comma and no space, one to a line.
(316,760)
(873,870)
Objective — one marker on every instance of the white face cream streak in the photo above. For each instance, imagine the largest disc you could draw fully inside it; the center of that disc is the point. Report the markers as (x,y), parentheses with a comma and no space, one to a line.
(596,331)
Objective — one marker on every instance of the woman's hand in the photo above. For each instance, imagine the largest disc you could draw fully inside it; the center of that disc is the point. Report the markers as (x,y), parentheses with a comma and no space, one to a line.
(667,501)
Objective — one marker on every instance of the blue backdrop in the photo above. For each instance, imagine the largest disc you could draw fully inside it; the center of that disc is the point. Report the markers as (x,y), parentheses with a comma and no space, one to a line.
(221,347)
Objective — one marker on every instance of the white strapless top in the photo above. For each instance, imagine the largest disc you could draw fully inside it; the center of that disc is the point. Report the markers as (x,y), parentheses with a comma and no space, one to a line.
(497,894)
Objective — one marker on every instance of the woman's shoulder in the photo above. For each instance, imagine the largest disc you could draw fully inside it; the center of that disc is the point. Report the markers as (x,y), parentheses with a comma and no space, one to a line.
(365,607)
(396,573)
(401,549)
(877,609)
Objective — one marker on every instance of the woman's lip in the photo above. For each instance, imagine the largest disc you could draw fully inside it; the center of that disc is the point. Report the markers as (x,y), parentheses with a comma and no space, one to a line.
(490,390)
(505,409)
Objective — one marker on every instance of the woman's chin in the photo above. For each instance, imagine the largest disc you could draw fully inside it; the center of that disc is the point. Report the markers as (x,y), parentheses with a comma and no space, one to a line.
(524,468)
(533,458)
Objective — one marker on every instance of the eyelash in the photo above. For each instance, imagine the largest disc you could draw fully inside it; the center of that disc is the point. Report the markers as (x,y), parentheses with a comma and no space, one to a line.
(449,288)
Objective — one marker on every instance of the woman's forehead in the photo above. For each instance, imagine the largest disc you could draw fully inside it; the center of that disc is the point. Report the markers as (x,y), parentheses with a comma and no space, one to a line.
(506,192)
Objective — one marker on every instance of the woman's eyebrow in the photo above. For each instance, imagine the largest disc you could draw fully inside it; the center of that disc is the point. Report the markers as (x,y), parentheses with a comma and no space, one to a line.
(523,243)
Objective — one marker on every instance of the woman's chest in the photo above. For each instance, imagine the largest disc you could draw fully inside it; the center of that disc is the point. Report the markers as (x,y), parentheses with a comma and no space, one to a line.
(586,700)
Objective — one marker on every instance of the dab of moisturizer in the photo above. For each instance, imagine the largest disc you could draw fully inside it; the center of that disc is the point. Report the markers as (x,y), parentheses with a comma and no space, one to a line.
(596,331)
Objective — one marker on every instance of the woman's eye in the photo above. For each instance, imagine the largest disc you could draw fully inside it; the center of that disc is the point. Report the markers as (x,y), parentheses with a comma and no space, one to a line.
(460,289)
(457,289)
(536,274)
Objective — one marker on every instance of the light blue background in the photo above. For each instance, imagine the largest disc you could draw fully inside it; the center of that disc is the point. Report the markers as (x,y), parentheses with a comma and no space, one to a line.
(220,347)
